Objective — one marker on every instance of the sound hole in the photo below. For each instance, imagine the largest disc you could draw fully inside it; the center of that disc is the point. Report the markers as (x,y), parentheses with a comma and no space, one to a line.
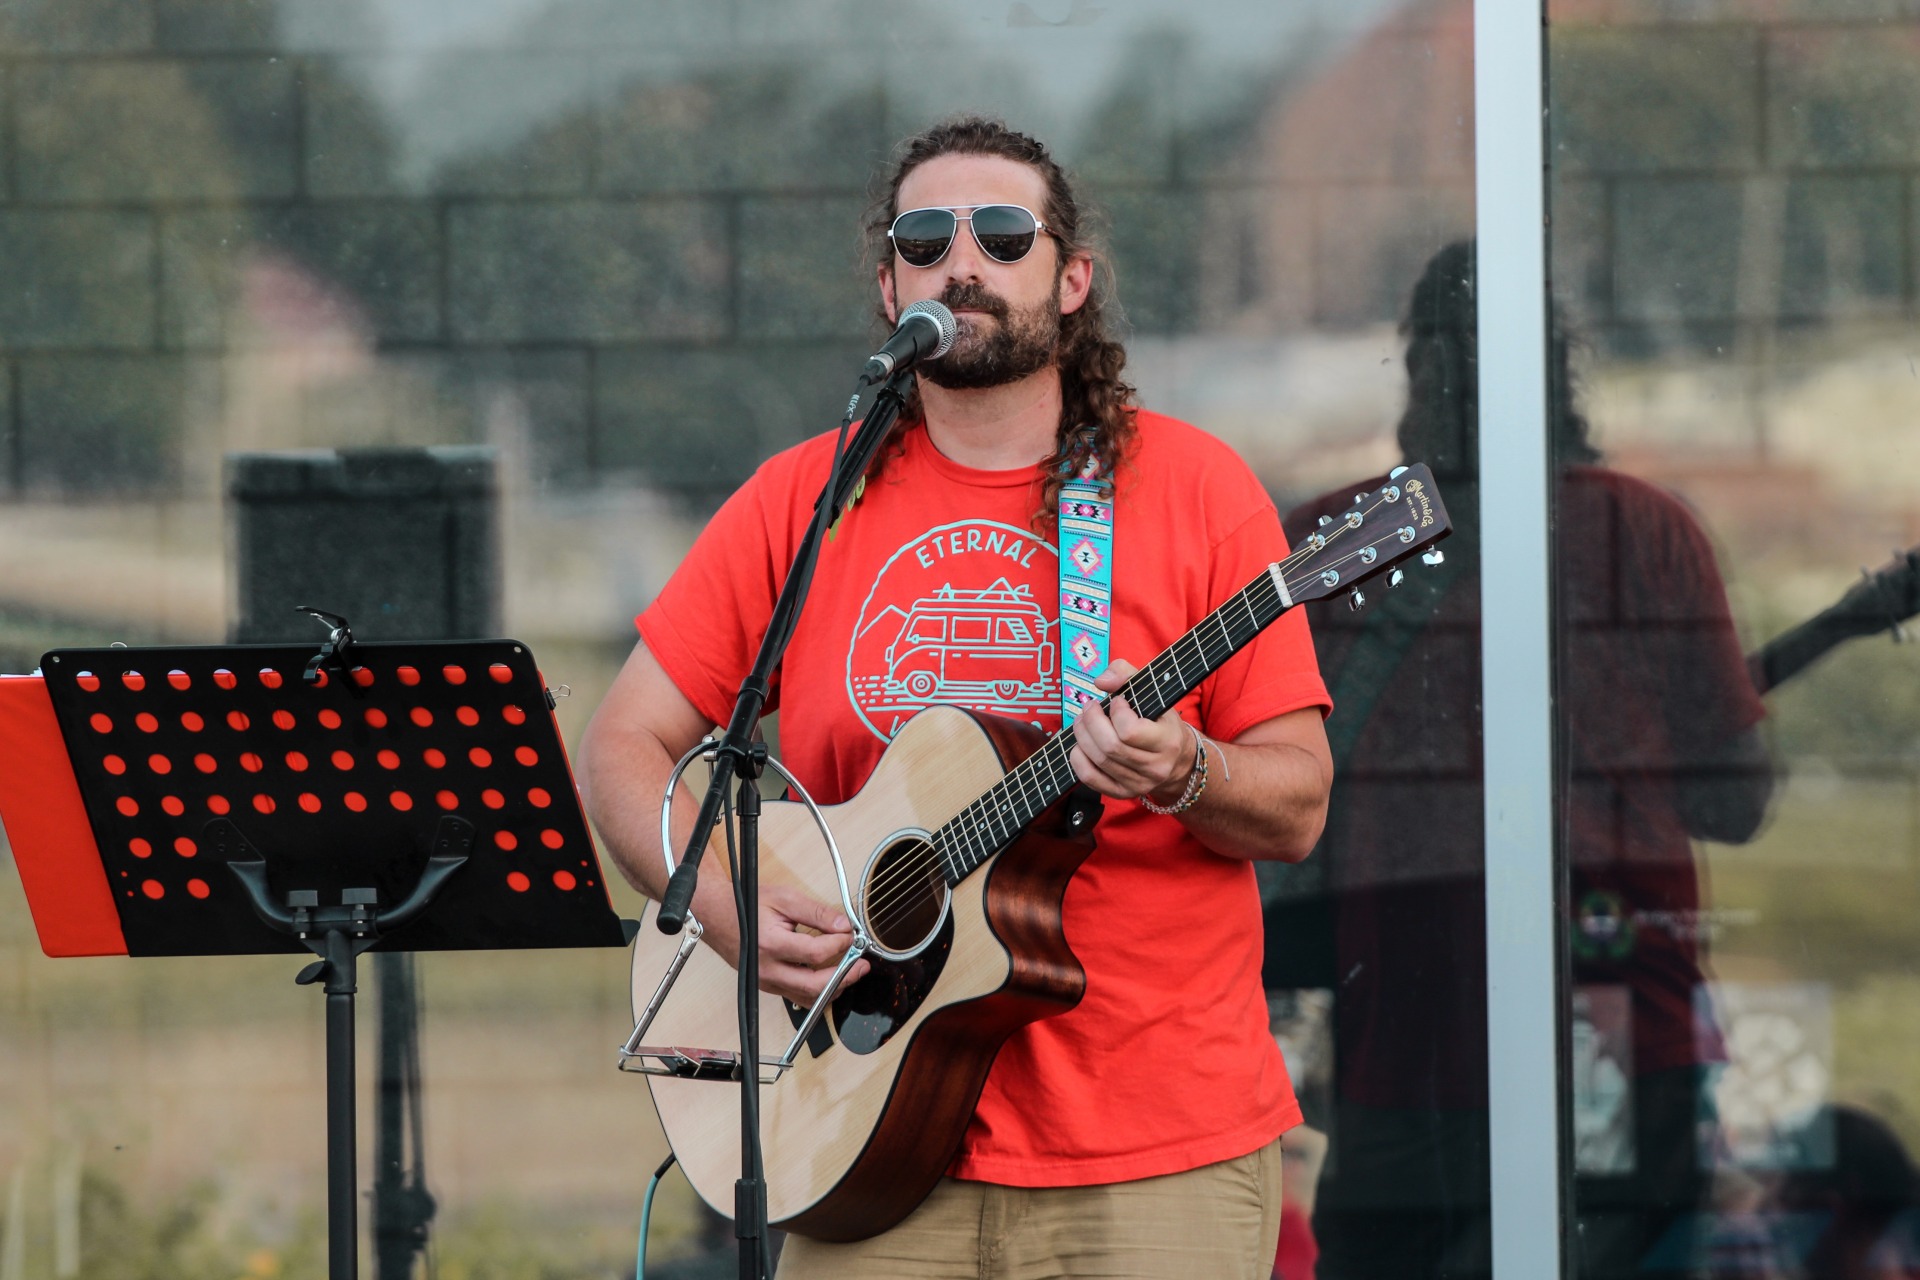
(904,894)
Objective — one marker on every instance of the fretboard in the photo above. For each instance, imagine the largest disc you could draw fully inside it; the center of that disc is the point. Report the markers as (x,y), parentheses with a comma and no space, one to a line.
(990,823)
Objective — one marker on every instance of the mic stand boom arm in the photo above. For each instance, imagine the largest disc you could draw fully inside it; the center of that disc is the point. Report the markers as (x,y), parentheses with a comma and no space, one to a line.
(739,757)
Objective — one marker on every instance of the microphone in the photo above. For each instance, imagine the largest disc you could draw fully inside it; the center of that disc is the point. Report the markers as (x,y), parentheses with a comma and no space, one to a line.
(926,332)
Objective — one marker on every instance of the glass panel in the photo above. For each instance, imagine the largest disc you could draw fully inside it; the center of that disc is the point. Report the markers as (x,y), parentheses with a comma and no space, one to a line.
(1732,247)
(609,254)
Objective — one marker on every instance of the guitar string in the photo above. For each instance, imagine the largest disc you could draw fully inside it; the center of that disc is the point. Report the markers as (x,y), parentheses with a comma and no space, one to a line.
(893,895)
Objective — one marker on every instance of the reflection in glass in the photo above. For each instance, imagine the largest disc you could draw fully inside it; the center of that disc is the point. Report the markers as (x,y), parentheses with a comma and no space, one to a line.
(1725,230)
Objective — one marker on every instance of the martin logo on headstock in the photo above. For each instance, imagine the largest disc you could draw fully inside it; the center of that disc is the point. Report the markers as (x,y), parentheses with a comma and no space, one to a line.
(1381,529)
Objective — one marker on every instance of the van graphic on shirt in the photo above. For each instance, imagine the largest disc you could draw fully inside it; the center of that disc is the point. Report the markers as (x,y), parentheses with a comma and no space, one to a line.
(955,616)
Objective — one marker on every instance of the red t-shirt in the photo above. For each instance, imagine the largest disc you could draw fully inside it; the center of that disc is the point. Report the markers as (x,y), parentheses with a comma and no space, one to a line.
(1167,1063)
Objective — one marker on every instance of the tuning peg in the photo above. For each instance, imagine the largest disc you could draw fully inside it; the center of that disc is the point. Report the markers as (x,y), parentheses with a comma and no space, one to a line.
(1325,521)
(1359,499)
(1396,473)
(1356,600)
(1397,577)
(1435,556)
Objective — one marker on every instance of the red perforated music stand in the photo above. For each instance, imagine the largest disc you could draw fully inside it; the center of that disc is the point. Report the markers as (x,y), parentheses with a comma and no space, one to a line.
(224,800)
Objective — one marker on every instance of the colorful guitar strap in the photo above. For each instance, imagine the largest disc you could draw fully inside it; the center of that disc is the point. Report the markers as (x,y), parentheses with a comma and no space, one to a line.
(1086,588)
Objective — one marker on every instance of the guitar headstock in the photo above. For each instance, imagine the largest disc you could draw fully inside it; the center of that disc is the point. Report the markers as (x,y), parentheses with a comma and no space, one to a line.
(1883,599)
(1402,518)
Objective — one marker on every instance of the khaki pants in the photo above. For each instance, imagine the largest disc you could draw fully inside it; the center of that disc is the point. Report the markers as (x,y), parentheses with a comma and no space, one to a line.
(1218,1221)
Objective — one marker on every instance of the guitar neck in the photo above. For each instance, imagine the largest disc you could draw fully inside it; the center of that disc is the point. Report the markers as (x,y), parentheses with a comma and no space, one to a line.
(1383,528)
(991,822)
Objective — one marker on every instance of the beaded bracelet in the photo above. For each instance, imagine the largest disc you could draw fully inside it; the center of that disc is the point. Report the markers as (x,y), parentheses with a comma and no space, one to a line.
(1196,780)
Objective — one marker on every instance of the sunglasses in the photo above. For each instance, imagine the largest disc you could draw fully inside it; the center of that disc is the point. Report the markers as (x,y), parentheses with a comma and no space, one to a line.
(1004,232)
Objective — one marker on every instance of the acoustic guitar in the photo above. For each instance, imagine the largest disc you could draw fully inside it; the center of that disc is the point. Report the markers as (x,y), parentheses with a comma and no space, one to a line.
(958,850)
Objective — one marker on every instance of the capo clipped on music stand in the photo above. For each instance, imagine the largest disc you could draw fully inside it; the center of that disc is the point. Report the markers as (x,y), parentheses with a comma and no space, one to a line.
(724,1064)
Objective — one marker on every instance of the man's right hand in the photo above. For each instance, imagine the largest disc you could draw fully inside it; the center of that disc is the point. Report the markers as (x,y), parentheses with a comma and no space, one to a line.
(801,942)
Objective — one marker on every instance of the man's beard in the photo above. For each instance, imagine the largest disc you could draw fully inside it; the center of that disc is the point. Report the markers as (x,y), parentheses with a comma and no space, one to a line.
(991,355)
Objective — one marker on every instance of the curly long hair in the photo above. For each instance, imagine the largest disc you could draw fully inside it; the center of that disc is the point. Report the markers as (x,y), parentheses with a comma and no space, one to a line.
(1096,405)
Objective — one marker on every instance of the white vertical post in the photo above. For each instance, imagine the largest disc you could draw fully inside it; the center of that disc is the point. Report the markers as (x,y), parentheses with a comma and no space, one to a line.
(1516,648)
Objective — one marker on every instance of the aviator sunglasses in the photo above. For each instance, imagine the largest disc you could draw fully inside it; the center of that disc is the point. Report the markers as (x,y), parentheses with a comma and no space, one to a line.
(1004,232)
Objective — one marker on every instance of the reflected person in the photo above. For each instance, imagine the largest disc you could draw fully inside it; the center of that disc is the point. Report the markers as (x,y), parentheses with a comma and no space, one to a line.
(1660,748)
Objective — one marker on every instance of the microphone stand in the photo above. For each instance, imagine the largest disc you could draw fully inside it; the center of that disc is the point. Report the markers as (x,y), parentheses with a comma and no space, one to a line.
(739,757)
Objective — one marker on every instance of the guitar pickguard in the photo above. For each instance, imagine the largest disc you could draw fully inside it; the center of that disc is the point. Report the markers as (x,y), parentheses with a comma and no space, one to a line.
(872,1009)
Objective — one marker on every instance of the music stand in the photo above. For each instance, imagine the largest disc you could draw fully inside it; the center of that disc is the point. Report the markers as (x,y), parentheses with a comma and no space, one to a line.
(375,796)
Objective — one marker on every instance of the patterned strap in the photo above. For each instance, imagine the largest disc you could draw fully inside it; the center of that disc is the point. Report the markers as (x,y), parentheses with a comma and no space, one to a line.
(1086,590)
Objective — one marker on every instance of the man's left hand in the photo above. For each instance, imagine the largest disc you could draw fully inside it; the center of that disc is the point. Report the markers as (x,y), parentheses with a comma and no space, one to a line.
(1120,753)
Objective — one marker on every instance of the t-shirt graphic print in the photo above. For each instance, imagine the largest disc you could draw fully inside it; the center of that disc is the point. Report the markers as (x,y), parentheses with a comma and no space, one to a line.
(965,614)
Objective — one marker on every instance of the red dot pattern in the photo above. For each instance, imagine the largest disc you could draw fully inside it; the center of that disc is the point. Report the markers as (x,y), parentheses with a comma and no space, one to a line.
(390,751)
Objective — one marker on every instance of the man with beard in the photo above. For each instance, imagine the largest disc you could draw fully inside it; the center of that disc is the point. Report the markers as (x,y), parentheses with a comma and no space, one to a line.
(1138,1132)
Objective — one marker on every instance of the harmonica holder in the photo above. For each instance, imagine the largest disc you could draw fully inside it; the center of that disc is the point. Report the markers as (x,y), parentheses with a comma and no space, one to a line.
(690,1063)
